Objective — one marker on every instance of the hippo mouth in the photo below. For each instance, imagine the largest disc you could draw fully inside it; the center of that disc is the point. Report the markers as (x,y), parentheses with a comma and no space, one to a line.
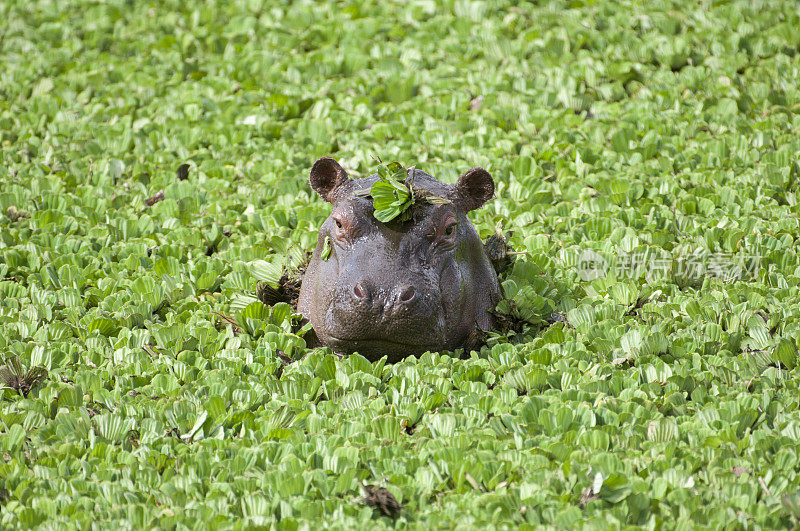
(370,333)
(377,347)
(375,342)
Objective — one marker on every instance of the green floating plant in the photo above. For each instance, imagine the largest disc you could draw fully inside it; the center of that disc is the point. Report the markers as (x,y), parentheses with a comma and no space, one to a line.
(392,196)
(326,248)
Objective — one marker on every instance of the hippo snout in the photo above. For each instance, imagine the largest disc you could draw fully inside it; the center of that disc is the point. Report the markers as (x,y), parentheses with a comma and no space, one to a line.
(378,319)
(385,302)
(384,310)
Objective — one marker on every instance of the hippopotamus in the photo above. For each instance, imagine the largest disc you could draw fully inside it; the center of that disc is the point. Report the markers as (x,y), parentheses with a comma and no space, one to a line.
(399,288)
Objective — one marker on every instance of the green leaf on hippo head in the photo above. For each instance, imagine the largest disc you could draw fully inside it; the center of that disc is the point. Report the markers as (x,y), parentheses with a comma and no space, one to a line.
(387,215)
(392,196)
(383,195)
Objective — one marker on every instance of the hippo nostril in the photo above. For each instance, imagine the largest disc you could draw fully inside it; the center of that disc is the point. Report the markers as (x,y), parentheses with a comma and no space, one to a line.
(360,291)
(407,294)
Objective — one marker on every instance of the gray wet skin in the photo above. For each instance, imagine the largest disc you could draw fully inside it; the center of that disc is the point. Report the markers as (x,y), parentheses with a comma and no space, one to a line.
(398,289)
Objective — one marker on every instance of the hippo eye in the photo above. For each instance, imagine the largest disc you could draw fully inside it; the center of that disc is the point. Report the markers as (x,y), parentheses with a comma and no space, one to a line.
(343,231)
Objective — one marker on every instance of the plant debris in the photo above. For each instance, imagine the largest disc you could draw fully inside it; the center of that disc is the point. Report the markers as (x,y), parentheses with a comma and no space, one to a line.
(155,198)
(14,376)
(380,498)
(222,318)
(499,251)
(182,173)
(287,290)
(14,214)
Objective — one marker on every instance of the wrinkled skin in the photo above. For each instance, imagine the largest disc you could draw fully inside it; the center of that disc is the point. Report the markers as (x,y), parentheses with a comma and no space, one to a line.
(400,288)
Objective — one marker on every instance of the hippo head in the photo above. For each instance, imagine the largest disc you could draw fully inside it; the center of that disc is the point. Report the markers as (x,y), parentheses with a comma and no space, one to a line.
(404,287)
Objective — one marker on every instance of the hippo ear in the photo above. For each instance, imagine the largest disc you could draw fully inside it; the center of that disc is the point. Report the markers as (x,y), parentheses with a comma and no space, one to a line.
(326,177)
(475,187)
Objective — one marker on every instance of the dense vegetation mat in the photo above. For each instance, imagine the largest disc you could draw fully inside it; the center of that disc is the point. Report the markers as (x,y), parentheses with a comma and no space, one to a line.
(154,169)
